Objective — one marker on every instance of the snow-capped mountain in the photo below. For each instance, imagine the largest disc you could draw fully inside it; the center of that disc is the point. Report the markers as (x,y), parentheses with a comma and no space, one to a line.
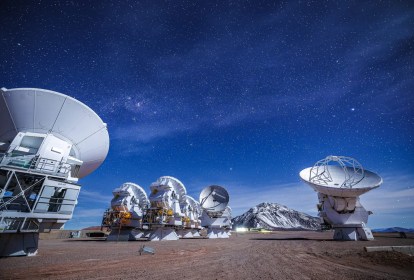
(275,216)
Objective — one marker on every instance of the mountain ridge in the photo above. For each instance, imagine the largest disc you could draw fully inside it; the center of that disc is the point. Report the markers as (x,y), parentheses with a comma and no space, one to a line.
(393,229)
(274,216)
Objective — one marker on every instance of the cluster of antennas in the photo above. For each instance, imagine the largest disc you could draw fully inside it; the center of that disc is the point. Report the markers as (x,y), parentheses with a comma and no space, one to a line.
(168,213)
(49,140)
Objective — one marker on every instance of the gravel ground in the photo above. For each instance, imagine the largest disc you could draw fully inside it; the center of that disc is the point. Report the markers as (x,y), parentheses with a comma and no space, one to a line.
(279,255)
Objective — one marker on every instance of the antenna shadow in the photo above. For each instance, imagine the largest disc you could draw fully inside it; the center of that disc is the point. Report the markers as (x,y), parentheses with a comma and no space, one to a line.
(291,238)
(85,239)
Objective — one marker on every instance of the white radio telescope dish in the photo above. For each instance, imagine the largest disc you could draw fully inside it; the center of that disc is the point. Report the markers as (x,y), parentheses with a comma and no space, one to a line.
(214,198)
(47,142)
(124,218)
(165,215)
(339,182)
(176,184)
(227,211)
(136,191)
(44,111)
(195,205)
(340,176)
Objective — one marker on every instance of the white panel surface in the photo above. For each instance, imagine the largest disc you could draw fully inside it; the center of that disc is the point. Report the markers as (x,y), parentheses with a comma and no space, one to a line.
(7,129)
(370,181)
(214,198)
(21,108)
(42,111)
(47,109)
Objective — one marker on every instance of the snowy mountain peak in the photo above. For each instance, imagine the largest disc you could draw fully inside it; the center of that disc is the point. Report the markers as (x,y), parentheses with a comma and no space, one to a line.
(276,216)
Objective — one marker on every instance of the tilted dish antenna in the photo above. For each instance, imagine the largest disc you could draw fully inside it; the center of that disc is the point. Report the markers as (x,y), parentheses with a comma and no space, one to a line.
(178,186)
(339,182)
(48,141)
(227,211)
(128,207)
(214,199)
(49,112)
(138,192)
(167,196)
(194,204)
(340,176)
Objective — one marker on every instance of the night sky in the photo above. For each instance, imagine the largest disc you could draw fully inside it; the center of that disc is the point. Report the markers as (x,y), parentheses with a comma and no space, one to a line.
(243,94)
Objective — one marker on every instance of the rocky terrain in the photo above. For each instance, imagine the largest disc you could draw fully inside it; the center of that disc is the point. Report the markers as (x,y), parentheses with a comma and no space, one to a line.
(273,216)
(275,255)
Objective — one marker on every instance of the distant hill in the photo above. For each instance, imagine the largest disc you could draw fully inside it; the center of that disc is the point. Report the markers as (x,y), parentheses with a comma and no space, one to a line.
(393,229)
(93,228)
(273,216)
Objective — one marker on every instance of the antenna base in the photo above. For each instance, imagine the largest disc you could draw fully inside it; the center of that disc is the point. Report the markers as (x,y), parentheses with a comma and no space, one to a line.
(352,233)
(19,244)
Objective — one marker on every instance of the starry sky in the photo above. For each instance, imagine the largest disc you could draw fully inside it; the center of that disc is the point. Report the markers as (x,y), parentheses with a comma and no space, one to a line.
(243,94)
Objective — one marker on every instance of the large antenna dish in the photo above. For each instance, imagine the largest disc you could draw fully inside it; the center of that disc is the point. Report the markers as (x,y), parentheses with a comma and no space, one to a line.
(139,193)
(45,111)
(339,182)
(125,216)
(178,187)
(214,198)
(47,142)
(340,176)
(227,211)
(195,205)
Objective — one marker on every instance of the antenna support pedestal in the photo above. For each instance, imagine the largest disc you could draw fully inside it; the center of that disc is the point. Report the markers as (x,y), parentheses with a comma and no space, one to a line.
(19,244)
(164,234)
(217,227)
(352,232)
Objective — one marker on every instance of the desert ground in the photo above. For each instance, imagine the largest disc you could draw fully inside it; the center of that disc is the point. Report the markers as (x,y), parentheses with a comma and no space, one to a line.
(277,255)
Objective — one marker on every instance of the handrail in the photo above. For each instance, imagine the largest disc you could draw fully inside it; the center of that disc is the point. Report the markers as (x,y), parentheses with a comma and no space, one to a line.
(40,164)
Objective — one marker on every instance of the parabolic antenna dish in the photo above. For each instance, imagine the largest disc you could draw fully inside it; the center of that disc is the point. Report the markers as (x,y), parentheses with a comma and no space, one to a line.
(214,198)
(193,203)
(179,187)
(227,211)
(138,192)
(340,176)
(45,111)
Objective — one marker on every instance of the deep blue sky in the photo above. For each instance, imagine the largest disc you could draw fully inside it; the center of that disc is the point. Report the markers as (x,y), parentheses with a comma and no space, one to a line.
(244,94)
